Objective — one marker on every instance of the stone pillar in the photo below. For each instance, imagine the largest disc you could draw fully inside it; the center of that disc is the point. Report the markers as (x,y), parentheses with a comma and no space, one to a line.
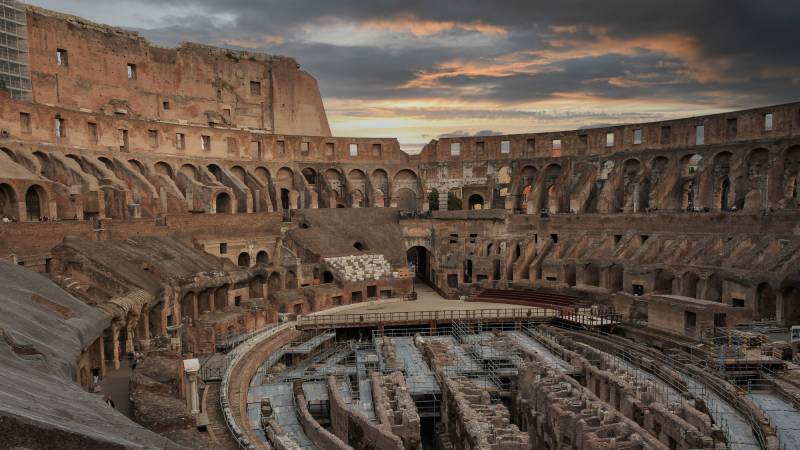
(192,368)
(174,332)
(129,330)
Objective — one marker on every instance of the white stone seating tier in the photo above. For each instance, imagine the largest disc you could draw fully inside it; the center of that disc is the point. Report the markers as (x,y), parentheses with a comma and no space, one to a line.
(362,267)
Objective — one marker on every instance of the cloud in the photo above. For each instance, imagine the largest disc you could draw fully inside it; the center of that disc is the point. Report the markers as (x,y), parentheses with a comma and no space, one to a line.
(460,133)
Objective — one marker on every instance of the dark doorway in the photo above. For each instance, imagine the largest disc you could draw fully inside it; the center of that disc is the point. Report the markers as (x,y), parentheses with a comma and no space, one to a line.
(418,256)
(33,204)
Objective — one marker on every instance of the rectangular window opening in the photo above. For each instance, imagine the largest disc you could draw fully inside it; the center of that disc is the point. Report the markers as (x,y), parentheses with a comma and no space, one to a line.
(353,149)
(479,147)
(226,112)
(505,147)
(666,133)
(132,71)
(304,147)
(223,248)
(738,302)
(255,150)
(165,105)
(609,139)
(255,88)
(153,138)
(554,237)
(637,136)
(732,127)
(232,150)
(700,132)
(455,149)
(123,140)
(61,56)
(767,122)
(531,145)
(583,140)
(376,149)
(690,319)
(92,128)
(556,147)
(205,143)
(280,147)
(61,130)
(180,141)
(329,149)
(25,122)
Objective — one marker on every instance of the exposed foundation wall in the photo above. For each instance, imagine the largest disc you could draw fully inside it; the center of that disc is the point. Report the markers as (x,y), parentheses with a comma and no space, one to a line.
(321,437)
(395,407)
(349,425)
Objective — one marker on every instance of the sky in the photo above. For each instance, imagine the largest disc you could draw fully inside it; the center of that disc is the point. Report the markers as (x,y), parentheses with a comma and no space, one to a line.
(419,70)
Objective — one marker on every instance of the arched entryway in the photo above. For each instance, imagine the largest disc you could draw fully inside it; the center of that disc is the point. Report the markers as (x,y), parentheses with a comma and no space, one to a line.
(221,296)
(291,280)
(615,278)
(663,282)
(223,203)
(327,277)
(714,288)
(765,301)
(591,275)
(257,287)
(187,306)
(8,201)
(262,257)
(418,256)
(285,200)
(475,201)
(244,260)
(274,282)
(690,284)
(33,203)
(791,306)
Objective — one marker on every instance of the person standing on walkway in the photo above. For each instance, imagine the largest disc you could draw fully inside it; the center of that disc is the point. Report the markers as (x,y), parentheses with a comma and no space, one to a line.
(95,374)
(110,402)
(130,360)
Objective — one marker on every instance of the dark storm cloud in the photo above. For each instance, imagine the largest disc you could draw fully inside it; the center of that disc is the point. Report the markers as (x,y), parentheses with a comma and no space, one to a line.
(508,52)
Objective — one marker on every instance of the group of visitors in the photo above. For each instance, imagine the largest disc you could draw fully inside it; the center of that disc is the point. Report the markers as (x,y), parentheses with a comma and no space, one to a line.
(404,215)
(12,219)
(134,358)
(7,220)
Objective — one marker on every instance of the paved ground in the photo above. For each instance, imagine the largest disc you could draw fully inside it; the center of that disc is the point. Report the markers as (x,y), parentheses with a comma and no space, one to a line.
(117,385)
(428,300)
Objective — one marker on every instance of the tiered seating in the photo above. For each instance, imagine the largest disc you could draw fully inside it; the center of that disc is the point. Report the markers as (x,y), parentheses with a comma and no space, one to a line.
(361,268)
(528,298)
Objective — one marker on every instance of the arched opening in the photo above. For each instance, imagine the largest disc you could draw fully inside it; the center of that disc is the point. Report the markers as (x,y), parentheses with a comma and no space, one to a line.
(433,199)
(221,296)
(327,277)
(262,257)
(517,252)
(291,280)
(475,201)
(663,282)
(551,175)
(153,321)
(239,172)
(163,168)
(686,194)
(690,164)
(310,175)
(216,171)
(724,190)
(791,168)
(489,249)
(468,271)
(285,200)
(504,175)
(380,198)
(257,287)
(274,282)
(340,205)
(108,163)
(791,304)
(10,154)
(33,203)
(136,166)
(615,278)
(714,288)
(690,284)
(315,275)
(219,95)
(187,306)
(8,201)
(569,274)
(591,275)
(303,225)
(244,260)
(454,200)
(418,259)
(263,175)
(223,203)
(765,297)
(357,199)
(407,200)
(205,300)
(359,246)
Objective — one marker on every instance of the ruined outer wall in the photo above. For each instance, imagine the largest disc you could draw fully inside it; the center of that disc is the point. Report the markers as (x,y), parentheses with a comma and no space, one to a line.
(199,83)
(352,427)
(321,437)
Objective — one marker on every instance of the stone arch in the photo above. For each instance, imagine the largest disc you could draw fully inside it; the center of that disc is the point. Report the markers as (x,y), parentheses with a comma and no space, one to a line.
(216,171)
(244,260)
(475,201)
(380,198)
(205,300)
(356,175)
(285,178)
(262,173)
(551,174)
(504,175)
(685,194)
(35,203)
(223,203)
(722,189)
(274,282)
(310,175)
(663,281)
(262,257)
(163,168)
(327,277)
(420,256)
(690,164)
(380,176)
(791,305)
(189,171)
(407,200)
(137,166)
(766,307)
(615,278)
(257,287)
(108,163)
(8,201)
(791,167)
(356,199)
(187,306)
(285,199)
(10,154)
(291,280)
(522,189)
(221,296)
(405,175)
(690,284)
(45,164)
(591,275)
(239,172)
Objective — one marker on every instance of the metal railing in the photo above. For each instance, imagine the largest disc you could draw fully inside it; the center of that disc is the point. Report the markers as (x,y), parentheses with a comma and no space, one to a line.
(426,316)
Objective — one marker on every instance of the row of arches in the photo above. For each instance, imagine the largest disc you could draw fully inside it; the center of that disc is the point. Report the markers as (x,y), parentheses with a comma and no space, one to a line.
(35,201)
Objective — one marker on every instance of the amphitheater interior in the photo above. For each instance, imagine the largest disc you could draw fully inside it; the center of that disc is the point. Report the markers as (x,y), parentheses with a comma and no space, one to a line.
(617,288)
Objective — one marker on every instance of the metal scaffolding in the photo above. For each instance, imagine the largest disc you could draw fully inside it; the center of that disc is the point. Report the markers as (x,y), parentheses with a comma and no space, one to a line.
(15,70)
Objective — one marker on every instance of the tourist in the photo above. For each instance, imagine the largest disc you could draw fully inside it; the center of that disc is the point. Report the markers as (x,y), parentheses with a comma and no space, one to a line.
(95,374)
(110,402)
(130,360)
(75,218)
(13,219)
(5,219)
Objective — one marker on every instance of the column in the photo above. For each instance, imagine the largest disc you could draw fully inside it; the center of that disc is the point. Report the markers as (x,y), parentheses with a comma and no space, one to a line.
(192,367)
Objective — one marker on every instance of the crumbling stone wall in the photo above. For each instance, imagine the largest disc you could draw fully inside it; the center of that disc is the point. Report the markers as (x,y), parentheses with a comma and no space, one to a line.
(349,425)
(395,407)
(321,437)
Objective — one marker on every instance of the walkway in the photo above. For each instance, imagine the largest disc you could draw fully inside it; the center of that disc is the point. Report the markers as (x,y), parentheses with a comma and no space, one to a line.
(117,385)
(784,418)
